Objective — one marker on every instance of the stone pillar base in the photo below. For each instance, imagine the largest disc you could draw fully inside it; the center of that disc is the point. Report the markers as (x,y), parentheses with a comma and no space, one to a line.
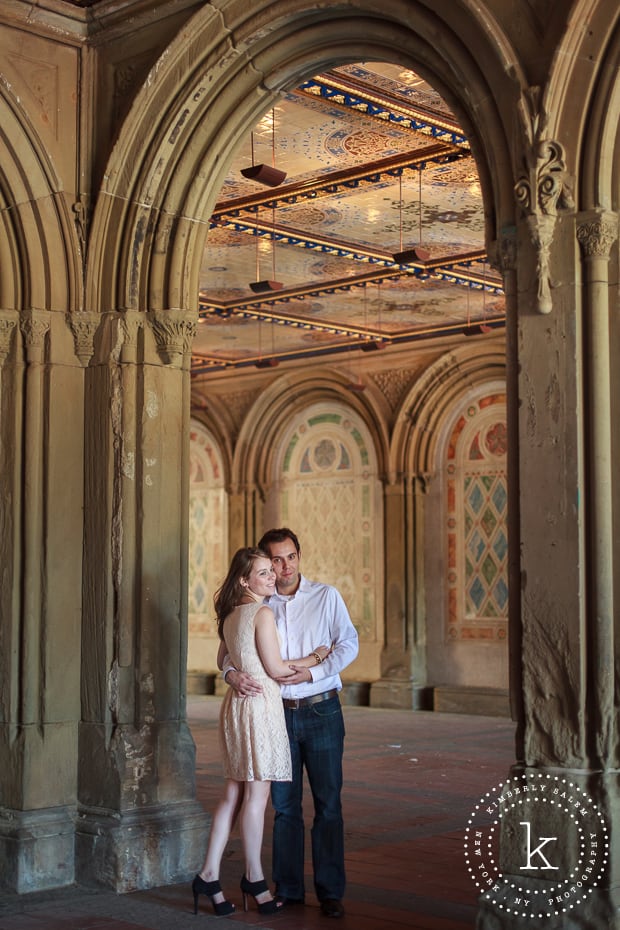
(37,849)
(400,694)
(490,702)
(141,848)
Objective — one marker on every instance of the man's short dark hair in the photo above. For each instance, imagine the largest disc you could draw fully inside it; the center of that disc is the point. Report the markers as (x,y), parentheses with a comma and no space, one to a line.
(278,536)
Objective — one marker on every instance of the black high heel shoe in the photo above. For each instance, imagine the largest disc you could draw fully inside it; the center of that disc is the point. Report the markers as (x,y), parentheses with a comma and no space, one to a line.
(254,889)
(210,889)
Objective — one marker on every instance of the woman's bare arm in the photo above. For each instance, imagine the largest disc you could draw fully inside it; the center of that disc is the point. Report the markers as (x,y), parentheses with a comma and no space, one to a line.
(269,648)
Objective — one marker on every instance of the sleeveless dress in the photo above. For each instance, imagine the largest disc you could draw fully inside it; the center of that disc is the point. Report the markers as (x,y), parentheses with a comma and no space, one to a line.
(253,735)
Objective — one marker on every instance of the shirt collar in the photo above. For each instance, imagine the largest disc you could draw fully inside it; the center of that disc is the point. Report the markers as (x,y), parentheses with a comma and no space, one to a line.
(304,586)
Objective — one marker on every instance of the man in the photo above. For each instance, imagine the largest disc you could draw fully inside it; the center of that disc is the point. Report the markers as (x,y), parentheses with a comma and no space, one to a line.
(308,614)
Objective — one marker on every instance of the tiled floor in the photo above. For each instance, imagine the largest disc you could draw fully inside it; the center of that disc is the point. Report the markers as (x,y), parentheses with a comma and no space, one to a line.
(411,783)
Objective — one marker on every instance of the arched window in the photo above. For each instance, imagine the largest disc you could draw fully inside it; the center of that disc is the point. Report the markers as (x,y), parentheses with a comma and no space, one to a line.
(328,492)
(476,505)
(208,535)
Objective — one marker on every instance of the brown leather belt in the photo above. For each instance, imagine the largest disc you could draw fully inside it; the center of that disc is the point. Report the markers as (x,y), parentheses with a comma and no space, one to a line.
(296,703)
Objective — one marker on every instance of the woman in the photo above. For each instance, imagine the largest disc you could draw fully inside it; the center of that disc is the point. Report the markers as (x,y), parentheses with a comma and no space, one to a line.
(253,736)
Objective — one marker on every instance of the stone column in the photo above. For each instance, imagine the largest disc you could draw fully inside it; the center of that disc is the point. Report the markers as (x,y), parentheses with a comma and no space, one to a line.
(505,259)
(596,232)
(40,515)
(242,526)
(550,462)
(558,843)
(139,824)
(403,660)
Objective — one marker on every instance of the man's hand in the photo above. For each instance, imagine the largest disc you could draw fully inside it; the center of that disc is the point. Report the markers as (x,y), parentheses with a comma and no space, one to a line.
(297,677)
(243,684)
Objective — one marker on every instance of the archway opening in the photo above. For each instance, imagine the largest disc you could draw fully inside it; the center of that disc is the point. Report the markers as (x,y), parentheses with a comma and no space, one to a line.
(373,158)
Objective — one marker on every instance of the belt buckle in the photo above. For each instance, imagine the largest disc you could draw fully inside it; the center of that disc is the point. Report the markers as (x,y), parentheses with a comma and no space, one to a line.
(294,703)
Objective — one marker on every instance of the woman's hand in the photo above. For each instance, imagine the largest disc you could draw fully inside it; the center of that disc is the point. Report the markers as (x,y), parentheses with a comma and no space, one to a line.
(299,675)
(323,652)
(243,684)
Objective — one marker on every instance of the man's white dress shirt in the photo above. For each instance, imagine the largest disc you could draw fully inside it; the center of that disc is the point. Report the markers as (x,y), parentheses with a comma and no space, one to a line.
(314,616)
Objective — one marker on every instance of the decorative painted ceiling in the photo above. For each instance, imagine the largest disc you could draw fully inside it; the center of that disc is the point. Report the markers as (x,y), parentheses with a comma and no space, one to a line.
(375,165)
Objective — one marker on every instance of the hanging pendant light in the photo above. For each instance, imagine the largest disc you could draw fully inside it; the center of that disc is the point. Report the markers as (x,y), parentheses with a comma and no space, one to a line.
(417,253)
(258,286)
(265,174)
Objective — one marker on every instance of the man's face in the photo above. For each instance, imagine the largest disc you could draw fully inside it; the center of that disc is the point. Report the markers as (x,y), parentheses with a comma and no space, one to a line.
(285,561)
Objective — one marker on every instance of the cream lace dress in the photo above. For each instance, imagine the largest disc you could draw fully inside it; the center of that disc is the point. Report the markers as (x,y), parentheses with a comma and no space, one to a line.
(253,733)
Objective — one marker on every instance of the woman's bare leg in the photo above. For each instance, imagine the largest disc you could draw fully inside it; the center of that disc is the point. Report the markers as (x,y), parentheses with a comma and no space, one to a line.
(223,821)
(252,825)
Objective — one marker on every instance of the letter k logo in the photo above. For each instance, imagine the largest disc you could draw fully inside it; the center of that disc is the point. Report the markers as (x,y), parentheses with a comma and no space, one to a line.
(538,850)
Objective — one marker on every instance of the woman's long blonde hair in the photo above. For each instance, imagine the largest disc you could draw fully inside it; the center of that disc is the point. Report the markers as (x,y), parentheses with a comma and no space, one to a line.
(231,591)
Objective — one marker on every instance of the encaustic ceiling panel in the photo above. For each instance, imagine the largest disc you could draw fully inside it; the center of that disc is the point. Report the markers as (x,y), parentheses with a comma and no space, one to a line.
(360,225)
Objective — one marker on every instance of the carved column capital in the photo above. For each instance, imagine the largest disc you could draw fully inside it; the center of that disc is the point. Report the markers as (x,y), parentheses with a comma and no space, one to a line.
(597,230)
(84,326)
(421,482)
(542,189)
(174,332)
(35,325)
(8,322)
(131,323)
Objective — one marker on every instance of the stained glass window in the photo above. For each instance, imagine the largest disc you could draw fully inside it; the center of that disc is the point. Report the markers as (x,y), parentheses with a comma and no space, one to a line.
(477,540)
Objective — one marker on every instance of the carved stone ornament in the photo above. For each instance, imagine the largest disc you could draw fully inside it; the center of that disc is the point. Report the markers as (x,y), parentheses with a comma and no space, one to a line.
(8,321)
(596,233)
(131,321)
(541,190)
(394,383)
(174,332)
(81,216)
(84,326)
(35,325)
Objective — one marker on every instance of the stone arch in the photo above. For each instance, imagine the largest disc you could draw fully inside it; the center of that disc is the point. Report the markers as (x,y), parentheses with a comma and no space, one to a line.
(472,453)
(325,474)
(222,72)
(40,253)
(214,417)
(581,100)
(466,547)
(599,172)
(258,444)
(412,613)
(418,425)
(318,460)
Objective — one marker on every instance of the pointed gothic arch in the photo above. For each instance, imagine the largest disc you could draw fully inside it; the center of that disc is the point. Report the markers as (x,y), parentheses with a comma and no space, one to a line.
(582,103)
(431,399)
(40,252)
(150,222)
(259,443)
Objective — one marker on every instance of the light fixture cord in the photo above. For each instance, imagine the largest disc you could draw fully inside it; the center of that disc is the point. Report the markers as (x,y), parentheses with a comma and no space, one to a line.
(257,256)
(400,207)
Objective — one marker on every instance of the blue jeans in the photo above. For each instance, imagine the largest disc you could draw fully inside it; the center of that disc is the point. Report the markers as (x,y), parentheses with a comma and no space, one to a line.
(316,736)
